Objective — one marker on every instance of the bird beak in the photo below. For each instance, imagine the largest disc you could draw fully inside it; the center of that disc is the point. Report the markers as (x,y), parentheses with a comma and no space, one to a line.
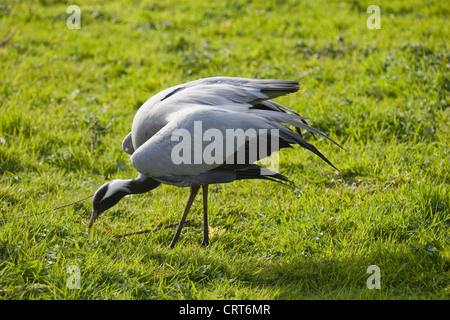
(91,221)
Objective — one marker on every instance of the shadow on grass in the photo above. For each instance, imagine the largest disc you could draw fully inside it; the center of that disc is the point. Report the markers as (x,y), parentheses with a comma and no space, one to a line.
(405,272)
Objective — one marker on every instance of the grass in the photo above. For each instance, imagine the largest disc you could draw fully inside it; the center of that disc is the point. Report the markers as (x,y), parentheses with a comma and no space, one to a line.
(68,98)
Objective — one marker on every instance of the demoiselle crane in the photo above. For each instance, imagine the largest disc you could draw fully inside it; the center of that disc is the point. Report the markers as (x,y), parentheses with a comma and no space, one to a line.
(185,136)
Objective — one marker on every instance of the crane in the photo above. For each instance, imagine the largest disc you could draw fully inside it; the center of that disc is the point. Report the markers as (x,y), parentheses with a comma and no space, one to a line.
(204,132)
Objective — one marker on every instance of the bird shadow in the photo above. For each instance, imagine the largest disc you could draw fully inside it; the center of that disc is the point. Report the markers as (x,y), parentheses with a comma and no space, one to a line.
(297,276)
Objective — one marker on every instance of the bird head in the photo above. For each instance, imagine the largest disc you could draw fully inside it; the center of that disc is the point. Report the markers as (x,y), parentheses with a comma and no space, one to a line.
(107,196)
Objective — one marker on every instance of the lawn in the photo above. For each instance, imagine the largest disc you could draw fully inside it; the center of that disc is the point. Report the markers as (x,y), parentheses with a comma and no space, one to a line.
(68,97)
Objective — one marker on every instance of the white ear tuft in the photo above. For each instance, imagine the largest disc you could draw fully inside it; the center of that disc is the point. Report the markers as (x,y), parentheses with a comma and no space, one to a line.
(115,186)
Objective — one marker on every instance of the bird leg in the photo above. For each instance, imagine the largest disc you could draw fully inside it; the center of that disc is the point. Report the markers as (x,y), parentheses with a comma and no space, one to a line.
(194,191)
(205,241)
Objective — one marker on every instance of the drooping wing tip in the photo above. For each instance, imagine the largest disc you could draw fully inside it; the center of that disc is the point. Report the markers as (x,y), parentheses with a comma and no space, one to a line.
(278,88)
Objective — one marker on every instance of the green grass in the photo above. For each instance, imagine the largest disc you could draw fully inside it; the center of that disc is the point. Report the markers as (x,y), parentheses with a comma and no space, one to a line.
(68,97)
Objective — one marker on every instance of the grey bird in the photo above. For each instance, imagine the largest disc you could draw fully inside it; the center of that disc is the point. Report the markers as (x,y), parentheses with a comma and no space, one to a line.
(207,108)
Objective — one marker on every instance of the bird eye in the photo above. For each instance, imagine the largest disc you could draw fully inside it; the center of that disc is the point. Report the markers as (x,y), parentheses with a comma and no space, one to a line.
(97,202)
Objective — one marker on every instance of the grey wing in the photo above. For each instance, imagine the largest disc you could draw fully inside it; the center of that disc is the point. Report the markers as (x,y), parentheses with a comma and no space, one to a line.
(164,153)
(160,155)
(240,100)
(223,90)
(244,93)
(238,94)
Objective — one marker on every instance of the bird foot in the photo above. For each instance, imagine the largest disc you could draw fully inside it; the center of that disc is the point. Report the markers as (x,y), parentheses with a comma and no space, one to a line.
(204,243)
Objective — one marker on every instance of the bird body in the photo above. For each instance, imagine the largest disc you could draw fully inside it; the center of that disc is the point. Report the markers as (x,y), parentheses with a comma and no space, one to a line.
(207,131)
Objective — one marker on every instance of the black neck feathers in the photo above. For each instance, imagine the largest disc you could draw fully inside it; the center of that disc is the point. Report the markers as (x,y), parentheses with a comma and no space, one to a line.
(142,184)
